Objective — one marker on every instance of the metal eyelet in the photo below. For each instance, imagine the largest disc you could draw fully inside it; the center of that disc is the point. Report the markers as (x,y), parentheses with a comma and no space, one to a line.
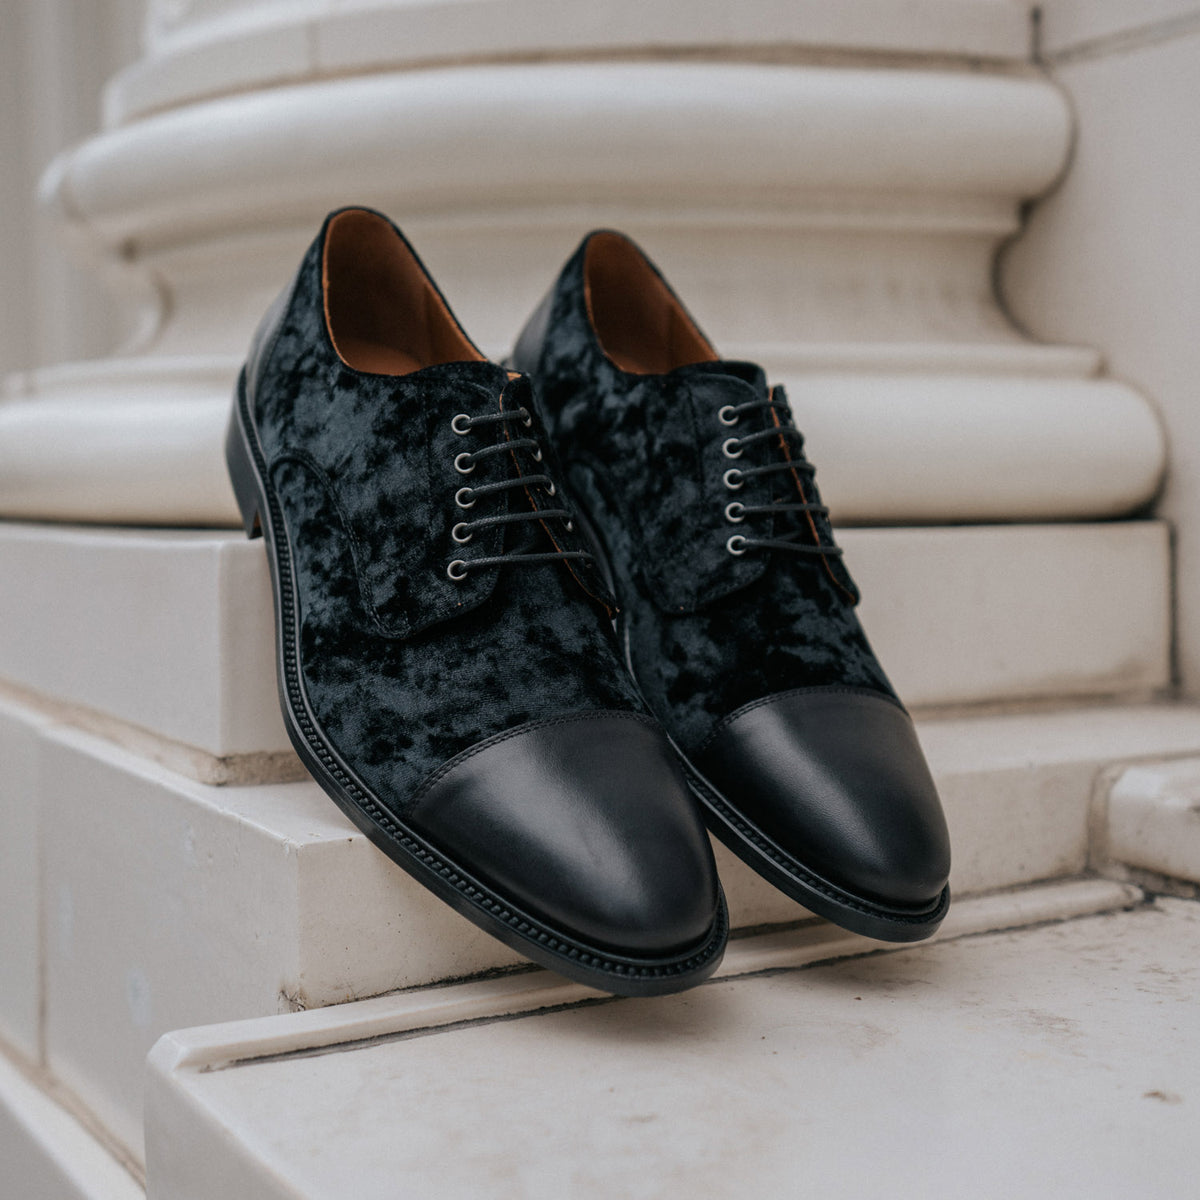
(461,424)
(727,416)
(461,538)
(570,526)
(736,544)
(457,570)
(551,490)
(526,416)
(465,497)
(727,448)
(464,464)
(735,511)
(730,482)
(537,454)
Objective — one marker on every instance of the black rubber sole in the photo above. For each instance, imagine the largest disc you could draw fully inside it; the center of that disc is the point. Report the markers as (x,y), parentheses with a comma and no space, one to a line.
(531,936)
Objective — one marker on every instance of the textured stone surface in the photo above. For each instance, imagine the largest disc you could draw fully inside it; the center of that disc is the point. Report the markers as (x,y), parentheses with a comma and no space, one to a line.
(1055,1061)
(172,903)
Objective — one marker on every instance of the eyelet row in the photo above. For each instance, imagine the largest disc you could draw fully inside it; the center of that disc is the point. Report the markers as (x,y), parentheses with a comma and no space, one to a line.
(735,511)
(464,464)
(733,479)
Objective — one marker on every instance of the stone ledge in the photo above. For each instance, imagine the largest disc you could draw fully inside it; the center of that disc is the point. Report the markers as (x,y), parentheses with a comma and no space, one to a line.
(1047,1039)
(166,637)
(242,1043)
(169,631)
(169,903)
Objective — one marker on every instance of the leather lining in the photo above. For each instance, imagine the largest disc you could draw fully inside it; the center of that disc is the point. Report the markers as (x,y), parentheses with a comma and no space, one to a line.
(640,323)
(369,275)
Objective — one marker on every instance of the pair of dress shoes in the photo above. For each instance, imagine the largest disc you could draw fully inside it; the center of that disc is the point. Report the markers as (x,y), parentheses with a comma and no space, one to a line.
(539,623)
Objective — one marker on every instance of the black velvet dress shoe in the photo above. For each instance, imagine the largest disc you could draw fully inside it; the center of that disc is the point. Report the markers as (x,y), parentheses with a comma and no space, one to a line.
(447,666)
(736,608)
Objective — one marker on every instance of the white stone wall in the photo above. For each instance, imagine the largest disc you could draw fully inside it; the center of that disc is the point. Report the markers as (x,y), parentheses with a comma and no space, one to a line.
(1113,256)
(55,57)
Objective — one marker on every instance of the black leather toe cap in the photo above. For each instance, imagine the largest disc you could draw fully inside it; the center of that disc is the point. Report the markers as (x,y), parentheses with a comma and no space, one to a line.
(837,779)
(586,822)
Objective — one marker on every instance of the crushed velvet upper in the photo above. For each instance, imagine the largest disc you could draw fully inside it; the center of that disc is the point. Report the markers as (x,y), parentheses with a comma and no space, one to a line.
(403,667)
(708,631)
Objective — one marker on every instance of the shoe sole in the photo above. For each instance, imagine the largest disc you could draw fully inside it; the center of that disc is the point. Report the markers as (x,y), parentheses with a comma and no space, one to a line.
(531,936)
(758,851)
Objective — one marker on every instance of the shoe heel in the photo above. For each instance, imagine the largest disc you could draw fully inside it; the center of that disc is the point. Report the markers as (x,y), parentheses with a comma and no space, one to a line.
(241,469)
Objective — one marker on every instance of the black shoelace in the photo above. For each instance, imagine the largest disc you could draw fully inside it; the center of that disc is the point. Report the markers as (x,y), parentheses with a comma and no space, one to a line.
(790,442)
(467,497)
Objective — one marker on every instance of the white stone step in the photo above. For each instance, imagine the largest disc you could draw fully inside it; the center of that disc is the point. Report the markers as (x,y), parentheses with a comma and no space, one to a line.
(425,1009)
(169,633)
(20,899)
(1152,820)
(46,1154)
(171,903)
(1056,1061)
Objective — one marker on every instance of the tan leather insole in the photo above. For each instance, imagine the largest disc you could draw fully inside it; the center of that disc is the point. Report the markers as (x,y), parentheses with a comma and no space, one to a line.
(383,314)
(640,323)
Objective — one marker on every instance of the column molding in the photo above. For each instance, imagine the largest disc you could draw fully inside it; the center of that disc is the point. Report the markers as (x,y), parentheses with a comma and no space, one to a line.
(199,50)
(838,222)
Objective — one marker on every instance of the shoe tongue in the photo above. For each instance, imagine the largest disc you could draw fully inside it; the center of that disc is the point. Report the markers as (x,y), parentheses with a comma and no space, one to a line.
(484,374)
(747,372)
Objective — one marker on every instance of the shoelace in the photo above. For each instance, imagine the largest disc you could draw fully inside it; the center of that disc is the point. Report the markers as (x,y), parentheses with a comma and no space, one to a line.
(467,497)
(783,433)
